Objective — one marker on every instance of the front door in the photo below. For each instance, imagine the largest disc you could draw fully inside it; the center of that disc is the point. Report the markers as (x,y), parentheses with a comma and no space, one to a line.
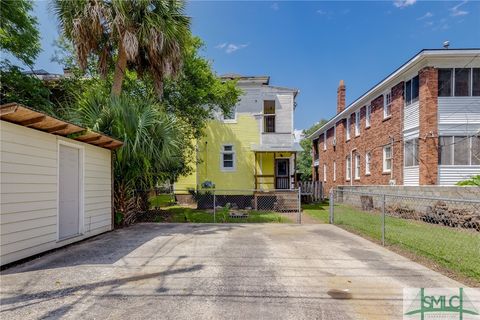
(69,192)
(282,174)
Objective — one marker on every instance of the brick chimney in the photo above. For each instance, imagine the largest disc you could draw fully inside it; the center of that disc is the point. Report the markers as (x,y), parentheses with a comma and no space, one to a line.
(341,97)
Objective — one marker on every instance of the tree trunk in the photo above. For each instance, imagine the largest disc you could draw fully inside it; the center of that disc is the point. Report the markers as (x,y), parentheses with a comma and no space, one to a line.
(120,68)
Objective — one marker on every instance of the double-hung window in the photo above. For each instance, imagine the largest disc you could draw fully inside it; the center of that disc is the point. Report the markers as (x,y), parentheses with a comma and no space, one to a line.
(368,159)
(387,158)
(347,129)
(412,90)
(411,153)
(348,167)
(324,172)
(357,166)
(227,161)
(269,116)
(368,115)
(387,104)
(357,123)
(325,140)
(334,171)
(458,82)
(230,116)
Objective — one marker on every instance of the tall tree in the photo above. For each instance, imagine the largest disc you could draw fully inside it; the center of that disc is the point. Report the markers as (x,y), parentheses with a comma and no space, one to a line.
(148,36)
(18,30)
(305,157)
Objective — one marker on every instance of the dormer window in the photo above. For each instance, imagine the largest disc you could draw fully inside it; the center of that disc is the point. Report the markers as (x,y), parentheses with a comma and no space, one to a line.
(269,115)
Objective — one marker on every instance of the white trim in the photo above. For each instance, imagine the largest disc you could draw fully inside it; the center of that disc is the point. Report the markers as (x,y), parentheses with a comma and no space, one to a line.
(234,158)
(324,172)
(81,217)
(348,168)
(325,140)
(357,167)
(387,106)
(347,125)
(334,170)
(234,120)
(368,116)
(385,170)
(357,123)
(368,162)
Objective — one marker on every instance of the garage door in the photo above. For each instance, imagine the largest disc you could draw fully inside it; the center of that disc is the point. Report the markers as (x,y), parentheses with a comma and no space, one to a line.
(69,192)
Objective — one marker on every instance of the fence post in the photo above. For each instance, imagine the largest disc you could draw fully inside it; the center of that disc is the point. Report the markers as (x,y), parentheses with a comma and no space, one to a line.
(299,218)
(331,203)
(214,207)
(383,220)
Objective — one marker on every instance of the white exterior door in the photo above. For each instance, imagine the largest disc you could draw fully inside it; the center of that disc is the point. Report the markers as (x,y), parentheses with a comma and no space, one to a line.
(69,192)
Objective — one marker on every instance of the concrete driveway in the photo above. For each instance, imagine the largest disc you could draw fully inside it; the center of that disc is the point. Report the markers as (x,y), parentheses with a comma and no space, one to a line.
(223,271)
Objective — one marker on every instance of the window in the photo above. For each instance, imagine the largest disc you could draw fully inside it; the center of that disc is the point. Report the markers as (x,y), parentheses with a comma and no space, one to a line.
(334,134)
(269,115)
(387,158)
(348,128)
(315,149)
(445,82)
(357,123)
(230,116)
(462,82)
(368,159)
(476,82)
(387,105)
(324,172)
(357,167)
(411,90)
(368,115)
(325,140)
(348,167)
(459,150)
(411,153)
(335,170)
(459,82)
(228,158)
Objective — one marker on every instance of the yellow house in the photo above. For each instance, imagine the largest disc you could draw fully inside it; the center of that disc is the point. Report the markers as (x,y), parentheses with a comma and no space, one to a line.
(253,147)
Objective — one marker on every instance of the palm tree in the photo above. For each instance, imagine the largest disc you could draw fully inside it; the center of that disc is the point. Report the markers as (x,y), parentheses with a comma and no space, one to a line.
(152,144)
(148,36)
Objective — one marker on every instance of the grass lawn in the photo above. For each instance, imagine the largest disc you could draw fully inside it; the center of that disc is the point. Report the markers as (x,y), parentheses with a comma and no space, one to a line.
(181,214)
(456,250)
(161,201)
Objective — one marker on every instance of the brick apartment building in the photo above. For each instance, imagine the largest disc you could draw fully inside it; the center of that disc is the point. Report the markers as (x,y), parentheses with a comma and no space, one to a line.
(418,126)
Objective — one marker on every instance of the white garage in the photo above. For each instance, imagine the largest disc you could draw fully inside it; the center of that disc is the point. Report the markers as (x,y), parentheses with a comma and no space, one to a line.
(56,182)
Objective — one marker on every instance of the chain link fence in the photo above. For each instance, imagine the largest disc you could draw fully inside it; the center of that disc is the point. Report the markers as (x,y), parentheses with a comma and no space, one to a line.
(444,230)
(240,205)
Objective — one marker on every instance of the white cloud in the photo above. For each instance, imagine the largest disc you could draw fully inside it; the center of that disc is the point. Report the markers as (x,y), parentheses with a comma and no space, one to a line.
(234,47)
(275,6)
(456,11)
(320,11)
(221,45)
(298,135)
(403,3)
(230,47)
(426,16)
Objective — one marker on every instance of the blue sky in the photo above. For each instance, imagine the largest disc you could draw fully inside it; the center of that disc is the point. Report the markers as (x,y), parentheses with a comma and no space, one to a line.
(312,45)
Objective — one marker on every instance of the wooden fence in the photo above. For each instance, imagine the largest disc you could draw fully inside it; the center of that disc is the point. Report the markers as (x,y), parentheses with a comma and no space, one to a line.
(311,190)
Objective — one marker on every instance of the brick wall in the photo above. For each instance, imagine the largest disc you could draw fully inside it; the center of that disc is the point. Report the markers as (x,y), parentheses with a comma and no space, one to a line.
(428,131)
(372,139)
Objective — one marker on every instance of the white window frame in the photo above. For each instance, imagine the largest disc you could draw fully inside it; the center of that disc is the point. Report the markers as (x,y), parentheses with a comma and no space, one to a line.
(335,134)
(368,116)
(347,131)
(368,160)
(357,166)
(325,140)
(223,152)
(232,120)
(324,172)
(357,123)
(387,106)
(334,171)
(385,159)
(348,167)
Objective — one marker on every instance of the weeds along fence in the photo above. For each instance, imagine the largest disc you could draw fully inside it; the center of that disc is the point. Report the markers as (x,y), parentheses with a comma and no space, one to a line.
(443,229)
(242,203)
